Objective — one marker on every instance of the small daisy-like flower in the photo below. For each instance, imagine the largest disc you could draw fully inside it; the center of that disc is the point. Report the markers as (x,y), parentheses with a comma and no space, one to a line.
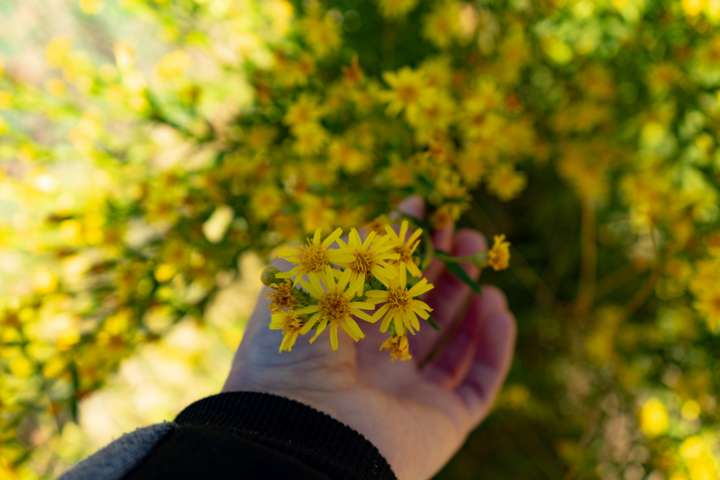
(335,306)
(399,305)
(291,324)
(405,247)
(314,257)
(306,110)
(364,258)
(499,255)
(282,297)
(398,346)
(407,87)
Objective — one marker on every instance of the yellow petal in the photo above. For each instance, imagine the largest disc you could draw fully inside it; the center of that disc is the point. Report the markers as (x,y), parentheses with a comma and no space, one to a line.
(308,309)
(353,329)
(419,288)
(354,238)
(320,329)
(317,236)
(332,237)
(379,314)
(334,337)
(310,324)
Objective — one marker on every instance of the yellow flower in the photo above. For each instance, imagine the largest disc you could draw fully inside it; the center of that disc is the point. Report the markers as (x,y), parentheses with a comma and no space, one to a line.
(306,110)
(291,325)
(395,8)
(316,212)
(405,247)
(400,173)
(363,258)
(313,257)
(282,297)
(265,201)
(398,346)
(321,30)
(344,155)
(407,87)
(399,305)
(432,113)
(447,23)
(335,306)
(653,418)
(499,255)
(310,139)
(506,182)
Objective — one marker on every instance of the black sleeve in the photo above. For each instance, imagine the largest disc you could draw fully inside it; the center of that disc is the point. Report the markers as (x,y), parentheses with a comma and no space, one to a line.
(248,435)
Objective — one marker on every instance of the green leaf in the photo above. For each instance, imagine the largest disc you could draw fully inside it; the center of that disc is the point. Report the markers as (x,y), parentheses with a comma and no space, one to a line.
(433,323)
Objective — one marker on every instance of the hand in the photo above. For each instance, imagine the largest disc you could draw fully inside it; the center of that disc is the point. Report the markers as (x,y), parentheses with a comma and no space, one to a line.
(416,417)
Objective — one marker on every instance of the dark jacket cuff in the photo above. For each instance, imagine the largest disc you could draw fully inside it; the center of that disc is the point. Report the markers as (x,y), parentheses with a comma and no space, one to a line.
(292,428)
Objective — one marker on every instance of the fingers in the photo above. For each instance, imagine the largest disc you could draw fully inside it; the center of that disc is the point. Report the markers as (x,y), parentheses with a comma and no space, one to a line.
(450,294)
(456,357)
(412,206)
(494,345)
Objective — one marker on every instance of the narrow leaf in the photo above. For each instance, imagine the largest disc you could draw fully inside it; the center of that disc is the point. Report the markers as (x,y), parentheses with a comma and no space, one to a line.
(459,272)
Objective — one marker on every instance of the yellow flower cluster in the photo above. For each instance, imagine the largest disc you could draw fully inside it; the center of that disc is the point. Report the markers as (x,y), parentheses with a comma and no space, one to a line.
(344,280)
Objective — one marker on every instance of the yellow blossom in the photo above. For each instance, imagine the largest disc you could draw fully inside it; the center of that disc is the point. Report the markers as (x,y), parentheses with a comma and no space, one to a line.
(365,257)
(322,31)
(265,201)
(653,417)
(313,257)
(407,88)
(335,306)
(506,182)
(405,247)
(399,306)
(282,297)
(398,346)
(498,256)
(306,110)
(291,325)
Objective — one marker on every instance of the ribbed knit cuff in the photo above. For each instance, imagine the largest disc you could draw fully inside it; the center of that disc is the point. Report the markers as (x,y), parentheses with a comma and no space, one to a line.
(292,428)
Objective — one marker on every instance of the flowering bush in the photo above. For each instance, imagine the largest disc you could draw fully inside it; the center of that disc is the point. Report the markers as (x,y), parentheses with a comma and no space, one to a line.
(587,131)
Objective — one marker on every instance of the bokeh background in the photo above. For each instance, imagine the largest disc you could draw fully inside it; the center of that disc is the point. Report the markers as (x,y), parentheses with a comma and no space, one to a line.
(152,153)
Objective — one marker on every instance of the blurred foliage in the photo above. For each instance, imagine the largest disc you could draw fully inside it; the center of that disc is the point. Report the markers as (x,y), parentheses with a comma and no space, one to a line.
(585,130)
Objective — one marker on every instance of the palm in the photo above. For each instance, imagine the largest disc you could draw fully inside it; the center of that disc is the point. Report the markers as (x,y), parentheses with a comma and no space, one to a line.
(417,417)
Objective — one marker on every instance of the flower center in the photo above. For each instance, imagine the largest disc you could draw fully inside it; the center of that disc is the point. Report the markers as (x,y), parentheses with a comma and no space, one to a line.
(313,258)
(282,298)
(362,262)
(334,306)
(407,94)
(398,298)
(398,347)
(404,252)
(293,323)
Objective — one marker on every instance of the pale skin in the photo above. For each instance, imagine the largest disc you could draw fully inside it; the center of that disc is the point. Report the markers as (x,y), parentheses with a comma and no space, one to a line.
(417,417)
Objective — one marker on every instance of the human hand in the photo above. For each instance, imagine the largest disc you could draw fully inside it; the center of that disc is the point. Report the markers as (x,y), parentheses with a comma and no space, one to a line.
(417,417)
